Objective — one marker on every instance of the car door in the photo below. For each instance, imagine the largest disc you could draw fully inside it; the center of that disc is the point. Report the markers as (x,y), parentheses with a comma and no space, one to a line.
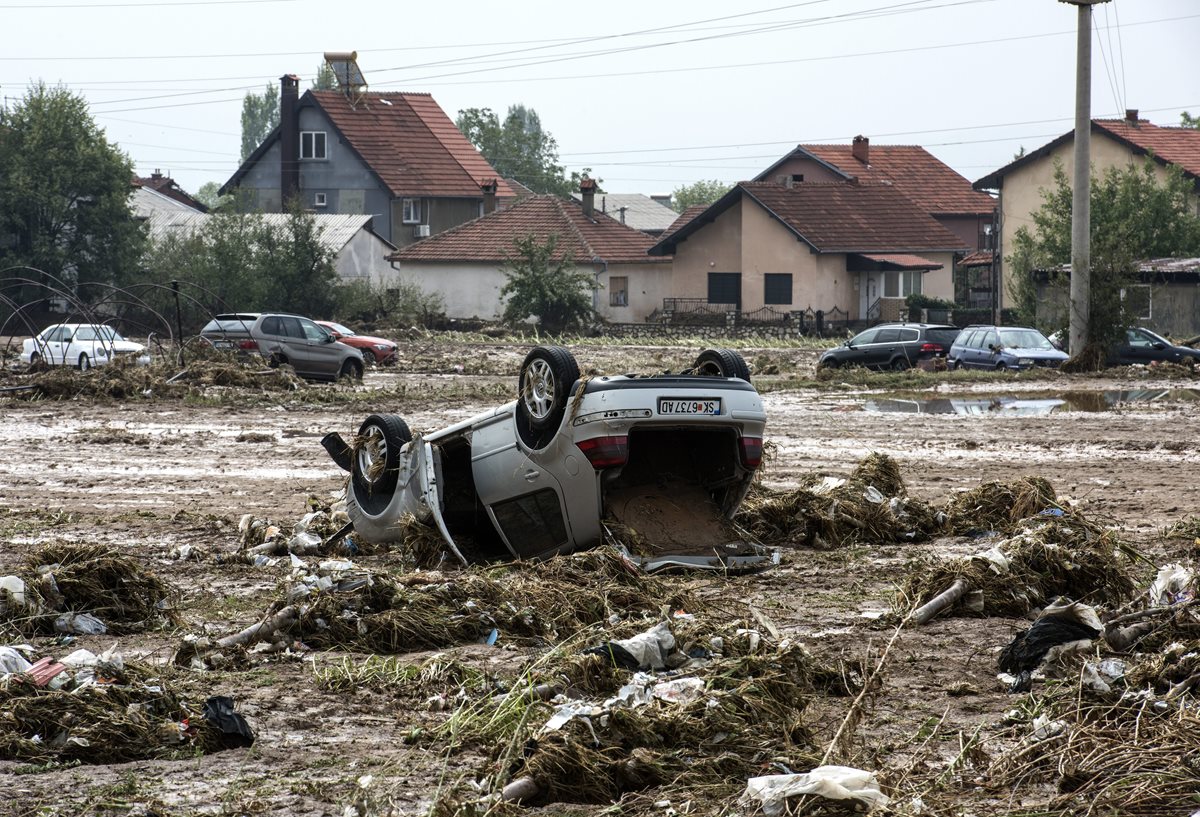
(51,345)
(988,350)
(523,500)
(323,355)
(859,347)
(884,348)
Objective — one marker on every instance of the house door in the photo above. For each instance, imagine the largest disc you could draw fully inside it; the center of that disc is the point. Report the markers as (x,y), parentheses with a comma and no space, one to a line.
(725,288)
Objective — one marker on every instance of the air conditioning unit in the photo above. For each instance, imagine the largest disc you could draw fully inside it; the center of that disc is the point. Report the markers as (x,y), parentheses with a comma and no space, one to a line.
(421,231)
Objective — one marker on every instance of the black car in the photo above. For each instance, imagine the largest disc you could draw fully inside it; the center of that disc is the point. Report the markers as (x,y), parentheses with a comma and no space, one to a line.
(1143,346)
(896,346)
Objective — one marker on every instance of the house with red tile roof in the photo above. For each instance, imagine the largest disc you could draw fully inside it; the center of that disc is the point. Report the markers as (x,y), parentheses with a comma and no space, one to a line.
(396,156)
(168,187)
(465,265)
(929,183)
(829,246)
(1115,143)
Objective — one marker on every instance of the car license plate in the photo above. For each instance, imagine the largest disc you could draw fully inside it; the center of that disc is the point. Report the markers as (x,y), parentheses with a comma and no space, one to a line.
(689,405)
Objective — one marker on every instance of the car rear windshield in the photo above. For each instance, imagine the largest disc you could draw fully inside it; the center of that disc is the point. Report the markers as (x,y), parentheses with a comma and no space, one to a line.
(943,336)
(1024,339)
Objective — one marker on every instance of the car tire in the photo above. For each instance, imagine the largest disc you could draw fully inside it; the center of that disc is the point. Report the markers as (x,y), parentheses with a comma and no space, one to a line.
(84,363)
(34,361)
(900,364)
(722,363)
(544,385)
(370,357)
(375,465)
(276,360)
(1000,367)
(352,369)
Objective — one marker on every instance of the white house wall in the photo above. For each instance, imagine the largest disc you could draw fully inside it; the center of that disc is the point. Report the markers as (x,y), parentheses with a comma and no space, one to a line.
(362,259)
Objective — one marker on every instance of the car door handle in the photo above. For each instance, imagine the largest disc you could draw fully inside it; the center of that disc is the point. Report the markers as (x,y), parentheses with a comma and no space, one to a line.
(532,474)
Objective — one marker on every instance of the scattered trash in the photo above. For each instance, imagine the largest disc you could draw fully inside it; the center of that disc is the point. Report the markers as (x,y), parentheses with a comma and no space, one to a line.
(1062,627)
(648,650)
(79,624)
(233,729)
(832,782)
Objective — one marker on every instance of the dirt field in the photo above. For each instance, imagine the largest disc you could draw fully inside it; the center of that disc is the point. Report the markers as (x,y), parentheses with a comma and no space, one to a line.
(149,475)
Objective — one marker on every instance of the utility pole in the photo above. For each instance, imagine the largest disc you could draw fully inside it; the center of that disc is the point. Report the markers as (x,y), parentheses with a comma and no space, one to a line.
(1081,198)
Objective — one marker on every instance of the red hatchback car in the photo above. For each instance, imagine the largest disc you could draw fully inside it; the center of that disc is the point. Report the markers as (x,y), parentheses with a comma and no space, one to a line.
(374,350)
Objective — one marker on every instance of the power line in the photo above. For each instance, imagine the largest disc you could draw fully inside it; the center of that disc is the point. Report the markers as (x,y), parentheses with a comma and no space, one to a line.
(153,4)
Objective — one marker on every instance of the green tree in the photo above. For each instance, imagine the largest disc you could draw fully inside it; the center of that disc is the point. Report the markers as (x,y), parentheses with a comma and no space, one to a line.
(518,148)
(546,284)
(260,115)
(325,79)
(238,261)
(297,269)
(701,192)
(210,197)
(1134,216)
(1189,121)
(64,192)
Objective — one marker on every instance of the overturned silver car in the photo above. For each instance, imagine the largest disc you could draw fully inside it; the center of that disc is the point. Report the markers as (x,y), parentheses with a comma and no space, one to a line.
(667,459)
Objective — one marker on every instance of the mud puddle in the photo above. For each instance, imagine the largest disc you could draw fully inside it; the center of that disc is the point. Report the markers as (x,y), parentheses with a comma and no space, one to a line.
(1033,404)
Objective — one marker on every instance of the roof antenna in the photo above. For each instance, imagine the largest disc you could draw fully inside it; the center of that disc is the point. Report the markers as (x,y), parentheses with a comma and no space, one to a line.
(350,79)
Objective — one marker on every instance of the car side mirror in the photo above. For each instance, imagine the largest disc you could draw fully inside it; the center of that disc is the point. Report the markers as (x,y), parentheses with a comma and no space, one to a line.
(1158,344)
(329,338)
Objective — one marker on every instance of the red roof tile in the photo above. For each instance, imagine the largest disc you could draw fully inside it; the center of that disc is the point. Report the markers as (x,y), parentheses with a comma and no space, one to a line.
(490,238)
(848,217)
(169,188)
(1170,145)
(1176,145)
(410,143)
(684,219)
(902,261)
(979,258)
(930,183)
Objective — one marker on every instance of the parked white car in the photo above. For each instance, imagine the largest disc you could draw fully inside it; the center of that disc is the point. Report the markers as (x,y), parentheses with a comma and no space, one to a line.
(669,456)
(82,345)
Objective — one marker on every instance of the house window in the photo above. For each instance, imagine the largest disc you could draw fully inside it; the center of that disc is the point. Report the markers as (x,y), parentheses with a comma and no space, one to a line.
(412,211)
(319,200)
(777,288)
(897,284)
(797,178)
(1136,300)
(618,290)
(725,288)
(312,144)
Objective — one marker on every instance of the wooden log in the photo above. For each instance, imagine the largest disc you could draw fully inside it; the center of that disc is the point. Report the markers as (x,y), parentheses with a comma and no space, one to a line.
(264,630)
(940,602)
(520,790)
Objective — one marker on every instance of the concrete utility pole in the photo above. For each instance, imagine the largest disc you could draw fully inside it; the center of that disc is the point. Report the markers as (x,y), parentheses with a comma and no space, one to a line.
(1081,199)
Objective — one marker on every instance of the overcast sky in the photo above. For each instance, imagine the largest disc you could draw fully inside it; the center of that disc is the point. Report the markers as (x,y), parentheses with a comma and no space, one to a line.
(650,95)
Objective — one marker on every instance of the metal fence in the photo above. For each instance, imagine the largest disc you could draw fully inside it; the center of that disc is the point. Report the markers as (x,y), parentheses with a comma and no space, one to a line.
(699,312)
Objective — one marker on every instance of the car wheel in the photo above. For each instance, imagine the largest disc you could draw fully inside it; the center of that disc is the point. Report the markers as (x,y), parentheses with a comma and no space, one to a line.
(34,360)
(376,463)
(84,363)
(544,385)
(722,363)
(276,360)
(352,369)
(370,357)
(900,364)
(1000,367)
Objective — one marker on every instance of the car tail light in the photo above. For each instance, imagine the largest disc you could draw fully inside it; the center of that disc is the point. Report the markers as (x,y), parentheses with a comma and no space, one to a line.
(248,345)
(751,451)
(605,452)
(931,347)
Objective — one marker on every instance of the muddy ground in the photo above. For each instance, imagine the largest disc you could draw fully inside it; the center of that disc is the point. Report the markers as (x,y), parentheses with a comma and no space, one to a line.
(149,475)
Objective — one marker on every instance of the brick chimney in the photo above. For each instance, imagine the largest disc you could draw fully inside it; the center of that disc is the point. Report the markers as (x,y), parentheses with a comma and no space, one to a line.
(289,138)
(489,196)
(861,149)
(1131,116)
(587,187)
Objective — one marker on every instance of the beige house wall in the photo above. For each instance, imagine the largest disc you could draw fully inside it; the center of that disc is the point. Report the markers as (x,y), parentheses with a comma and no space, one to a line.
(472,289)
(1021,195)
(746,239)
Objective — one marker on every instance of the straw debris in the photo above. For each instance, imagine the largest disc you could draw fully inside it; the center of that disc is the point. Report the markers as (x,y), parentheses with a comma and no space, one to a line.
(96,580)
